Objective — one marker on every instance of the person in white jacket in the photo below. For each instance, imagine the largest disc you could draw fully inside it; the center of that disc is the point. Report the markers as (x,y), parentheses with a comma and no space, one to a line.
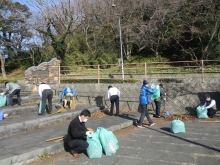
(113,96)
(210,105)
(45,93)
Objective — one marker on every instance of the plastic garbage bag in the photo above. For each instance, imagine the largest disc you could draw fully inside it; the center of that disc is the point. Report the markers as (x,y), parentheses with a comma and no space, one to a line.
(108,140)
(157,93)
(201,112)
(40,104)
(3,100)
(167,114)
(177,126)
(95,148)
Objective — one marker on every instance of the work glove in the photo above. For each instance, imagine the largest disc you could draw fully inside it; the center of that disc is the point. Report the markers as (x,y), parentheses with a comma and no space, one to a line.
(203,108)
(88,133)
(2,94)
(157,87)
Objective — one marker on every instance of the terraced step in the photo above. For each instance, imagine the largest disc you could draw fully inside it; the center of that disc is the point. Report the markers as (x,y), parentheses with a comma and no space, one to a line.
(28,122)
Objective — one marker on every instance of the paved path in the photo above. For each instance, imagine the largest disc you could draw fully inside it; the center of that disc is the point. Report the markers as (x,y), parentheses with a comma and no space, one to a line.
(156,145)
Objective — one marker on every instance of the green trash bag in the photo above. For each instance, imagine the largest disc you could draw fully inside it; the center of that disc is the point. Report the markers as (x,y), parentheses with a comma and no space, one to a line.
(177,126)
(201,112)
(95,148)
(108,140)
(39,107)
(157,93)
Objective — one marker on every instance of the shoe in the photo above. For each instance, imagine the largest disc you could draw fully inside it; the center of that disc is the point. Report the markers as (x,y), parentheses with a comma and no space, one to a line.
(157,116)
(76,155)
(152,124)
(116,114)
(140,126)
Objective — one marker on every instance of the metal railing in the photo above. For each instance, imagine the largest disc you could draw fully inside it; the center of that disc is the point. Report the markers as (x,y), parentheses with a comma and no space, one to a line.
(194,69)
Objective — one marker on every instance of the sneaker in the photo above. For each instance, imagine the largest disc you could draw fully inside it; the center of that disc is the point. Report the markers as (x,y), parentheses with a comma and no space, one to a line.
(152,124)
(140,126)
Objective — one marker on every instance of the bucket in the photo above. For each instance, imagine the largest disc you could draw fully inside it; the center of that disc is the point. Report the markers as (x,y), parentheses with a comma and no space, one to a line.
(1,115)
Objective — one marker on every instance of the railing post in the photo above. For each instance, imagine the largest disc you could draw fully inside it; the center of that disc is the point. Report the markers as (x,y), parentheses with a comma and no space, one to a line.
(145,70)
(59,74)
(202,71)
(98,74)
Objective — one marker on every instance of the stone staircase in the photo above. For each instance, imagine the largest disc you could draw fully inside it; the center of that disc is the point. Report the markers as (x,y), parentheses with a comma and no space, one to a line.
(23,133)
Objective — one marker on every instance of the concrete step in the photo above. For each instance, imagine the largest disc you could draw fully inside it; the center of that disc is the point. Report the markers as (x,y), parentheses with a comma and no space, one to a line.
(28,122)
(26,147)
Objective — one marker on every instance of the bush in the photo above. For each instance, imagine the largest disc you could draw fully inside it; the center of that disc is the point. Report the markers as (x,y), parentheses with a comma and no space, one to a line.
(169,80)
(108,81)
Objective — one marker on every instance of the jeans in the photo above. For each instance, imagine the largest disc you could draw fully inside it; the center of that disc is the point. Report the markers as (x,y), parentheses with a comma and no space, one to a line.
(15,92)
(158,105)
(47,94)
(78,145)
(114,100)
(145,113)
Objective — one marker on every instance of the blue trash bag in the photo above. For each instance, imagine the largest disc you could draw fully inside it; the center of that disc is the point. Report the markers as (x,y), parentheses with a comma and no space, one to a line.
(40,104)
(177,126)
(157,93)
(3,100)
(201,113)
(167,115)
(95,148)
(108,140)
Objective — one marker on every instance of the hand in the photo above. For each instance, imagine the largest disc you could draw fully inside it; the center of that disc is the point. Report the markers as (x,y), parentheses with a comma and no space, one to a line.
(2,94)
(164,99)
(157,87)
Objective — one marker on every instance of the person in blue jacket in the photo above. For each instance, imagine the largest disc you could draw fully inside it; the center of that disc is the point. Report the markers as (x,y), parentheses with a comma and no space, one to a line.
(68,94)
(144,99)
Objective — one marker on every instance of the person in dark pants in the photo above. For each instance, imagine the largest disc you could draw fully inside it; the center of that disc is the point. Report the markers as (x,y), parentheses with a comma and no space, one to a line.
(158,100)
(77,132)
(144,99)
(113,96)
(46,94)
(12,89)
(210,105)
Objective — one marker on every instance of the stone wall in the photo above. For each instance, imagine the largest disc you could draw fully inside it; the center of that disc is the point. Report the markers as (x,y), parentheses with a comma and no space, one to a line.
(182,98)
(44,72)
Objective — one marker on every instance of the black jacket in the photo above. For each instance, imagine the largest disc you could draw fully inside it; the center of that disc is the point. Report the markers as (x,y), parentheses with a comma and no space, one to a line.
(76,130)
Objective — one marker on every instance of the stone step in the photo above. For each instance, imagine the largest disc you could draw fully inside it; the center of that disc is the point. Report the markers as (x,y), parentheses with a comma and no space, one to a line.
(21,123)
(26,147)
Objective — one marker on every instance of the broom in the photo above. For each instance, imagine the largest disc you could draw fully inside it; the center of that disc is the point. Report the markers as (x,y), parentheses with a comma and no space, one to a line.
(61,110)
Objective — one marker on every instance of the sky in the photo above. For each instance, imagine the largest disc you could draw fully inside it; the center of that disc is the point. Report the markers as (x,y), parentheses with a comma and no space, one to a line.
(24,2)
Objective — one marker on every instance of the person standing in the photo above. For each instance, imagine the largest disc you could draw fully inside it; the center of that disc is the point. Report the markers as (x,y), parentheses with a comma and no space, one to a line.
(158,100)
(113,96)
(210,105)
(12,89)
(144,99)
(77,132)
(46,94)
(68,94)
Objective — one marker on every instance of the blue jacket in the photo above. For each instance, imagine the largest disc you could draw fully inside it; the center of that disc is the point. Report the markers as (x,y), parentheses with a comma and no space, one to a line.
(145,93)
(68,90)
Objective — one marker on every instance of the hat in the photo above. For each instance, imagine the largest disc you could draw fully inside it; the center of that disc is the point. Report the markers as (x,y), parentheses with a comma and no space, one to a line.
(145,82)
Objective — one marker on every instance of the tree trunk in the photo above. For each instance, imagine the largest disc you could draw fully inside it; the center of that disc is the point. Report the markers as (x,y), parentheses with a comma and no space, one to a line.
(3,67)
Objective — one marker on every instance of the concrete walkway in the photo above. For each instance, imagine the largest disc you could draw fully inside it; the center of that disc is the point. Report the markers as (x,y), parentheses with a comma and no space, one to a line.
(156,145)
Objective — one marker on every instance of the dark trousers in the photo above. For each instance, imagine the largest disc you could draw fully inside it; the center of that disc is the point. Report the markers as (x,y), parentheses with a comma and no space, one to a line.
(114,100)
(78,145)
(211,112)
(15,92)
(158,105)
(47,94)
(144,113)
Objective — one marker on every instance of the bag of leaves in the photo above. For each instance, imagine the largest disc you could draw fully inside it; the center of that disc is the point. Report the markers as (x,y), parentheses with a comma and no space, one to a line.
(177,126)
(108,140)
(201,112)
(95,148)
